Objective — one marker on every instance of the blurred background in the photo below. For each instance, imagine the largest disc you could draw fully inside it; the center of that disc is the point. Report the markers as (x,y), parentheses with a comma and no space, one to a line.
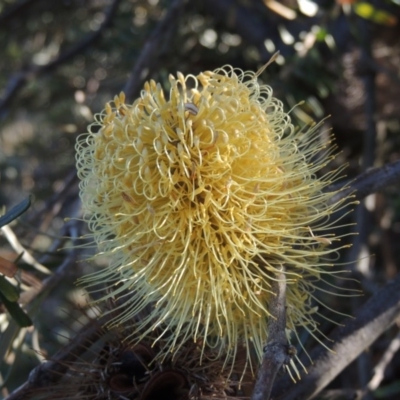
(61,61)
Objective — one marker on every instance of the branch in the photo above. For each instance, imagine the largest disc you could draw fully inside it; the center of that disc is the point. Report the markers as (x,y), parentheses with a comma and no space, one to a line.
(148,55)
(371,181)
(63,199)
(33,295)
(17,81)
(254,27)
(52,371)
(372,319)
(380,368)
(276,350)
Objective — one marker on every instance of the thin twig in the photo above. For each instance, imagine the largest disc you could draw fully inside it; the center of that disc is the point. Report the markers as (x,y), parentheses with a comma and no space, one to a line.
(350,340)
(51,282)
(148,56)
(52,371)
(276,350)
(19,249)
(379,369)
(244,19)
(17,81)
(56,200)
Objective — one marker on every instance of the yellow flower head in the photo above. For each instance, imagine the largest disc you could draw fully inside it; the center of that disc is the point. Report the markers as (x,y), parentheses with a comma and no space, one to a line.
(199,199)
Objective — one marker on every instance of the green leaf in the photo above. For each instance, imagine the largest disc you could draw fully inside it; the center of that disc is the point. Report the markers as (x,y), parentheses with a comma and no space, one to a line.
(16,312)
(8,290)
(368,11)
(15,212)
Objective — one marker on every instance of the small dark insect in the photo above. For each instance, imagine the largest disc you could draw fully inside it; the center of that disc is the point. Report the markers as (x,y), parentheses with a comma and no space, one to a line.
(191,108)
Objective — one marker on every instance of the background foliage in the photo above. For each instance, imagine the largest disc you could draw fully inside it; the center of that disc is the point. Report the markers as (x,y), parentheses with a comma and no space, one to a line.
(60,61)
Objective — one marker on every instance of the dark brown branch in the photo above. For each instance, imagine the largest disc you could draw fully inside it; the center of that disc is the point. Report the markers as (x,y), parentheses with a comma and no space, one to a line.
(148,56)
(86,42)
(350,340)
(17,81)
(50,372)
(369,182)
(63,199)
(276,350)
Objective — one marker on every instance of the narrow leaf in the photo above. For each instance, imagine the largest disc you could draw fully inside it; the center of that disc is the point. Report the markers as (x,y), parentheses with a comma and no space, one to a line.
(15,212)
(16,312)
(8,290)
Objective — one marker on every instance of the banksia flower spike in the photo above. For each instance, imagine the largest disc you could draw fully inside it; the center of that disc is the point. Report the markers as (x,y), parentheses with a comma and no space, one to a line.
(199,199)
